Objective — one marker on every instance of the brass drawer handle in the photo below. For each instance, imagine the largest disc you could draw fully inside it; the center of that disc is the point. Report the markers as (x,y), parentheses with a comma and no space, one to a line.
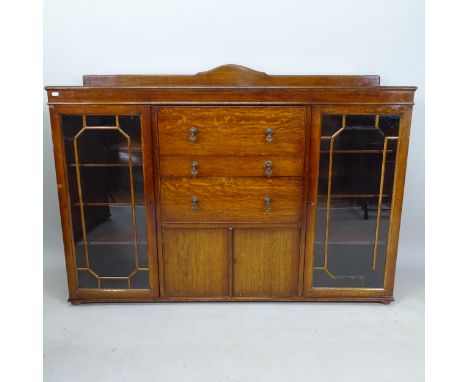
(195,202)
(194,168)
(269,135)
(193,134)
(267,203)
(268,168)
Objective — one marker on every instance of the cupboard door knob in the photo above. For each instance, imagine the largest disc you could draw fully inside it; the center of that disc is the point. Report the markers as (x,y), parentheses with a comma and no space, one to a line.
(267,203)
(269,135)
(195,202)
(268,168)
(193,134)
(194,168)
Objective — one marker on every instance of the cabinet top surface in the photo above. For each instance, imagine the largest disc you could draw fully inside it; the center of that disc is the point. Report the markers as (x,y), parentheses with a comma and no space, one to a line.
(230,84)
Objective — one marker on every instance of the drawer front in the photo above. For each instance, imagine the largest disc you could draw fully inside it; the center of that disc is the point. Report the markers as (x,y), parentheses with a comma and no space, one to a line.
(231,200)
(265,166)
(231,130)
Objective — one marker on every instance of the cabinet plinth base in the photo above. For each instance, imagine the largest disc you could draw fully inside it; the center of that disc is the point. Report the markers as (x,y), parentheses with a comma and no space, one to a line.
(382,299)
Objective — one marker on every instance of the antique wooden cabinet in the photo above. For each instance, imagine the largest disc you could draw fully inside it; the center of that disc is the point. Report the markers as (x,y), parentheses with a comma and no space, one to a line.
(230,185)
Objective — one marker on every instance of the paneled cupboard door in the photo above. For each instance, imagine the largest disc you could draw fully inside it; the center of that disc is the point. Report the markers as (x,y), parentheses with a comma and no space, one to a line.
(354,165)
(266,262)
(250,262)
(107,165)
(196,262)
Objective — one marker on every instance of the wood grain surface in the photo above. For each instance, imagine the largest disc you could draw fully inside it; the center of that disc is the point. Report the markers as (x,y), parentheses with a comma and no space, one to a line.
(210,166)
(231,130)
(266,262)
(196,262)
(226,75)
(231,199)
(229,247)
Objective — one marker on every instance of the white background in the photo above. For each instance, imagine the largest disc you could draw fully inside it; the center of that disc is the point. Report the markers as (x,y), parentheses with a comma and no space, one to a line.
(277,37)
(22,97)
(250,341)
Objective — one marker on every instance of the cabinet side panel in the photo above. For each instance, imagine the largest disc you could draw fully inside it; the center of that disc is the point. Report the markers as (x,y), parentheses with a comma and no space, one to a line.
(157,195)
(305,196)
(148,154)
(312,175)
(395,218)
(61,177)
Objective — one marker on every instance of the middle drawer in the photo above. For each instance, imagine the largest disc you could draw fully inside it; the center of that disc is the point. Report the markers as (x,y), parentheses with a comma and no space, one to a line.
(188,200)
(264,166)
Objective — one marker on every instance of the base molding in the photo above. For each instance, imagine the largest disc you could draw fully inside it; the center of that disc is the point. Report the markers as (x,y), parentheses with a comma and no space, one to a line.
(381,299)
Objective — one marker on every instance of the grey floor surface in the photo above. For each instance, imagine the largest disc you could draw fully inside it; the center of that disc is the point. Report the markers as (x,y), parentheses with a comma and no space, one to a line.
(234,341)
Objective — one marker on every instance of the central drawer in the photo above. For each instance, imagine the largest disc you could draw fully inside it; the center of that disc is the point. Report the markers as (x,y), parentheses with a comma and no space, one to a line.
(262,166)
(269,200)
(231,131)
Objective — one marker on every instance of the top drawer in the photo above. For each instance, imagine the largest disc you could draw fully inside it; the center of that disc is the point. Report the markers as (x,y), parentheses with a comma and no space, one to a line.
(231,130)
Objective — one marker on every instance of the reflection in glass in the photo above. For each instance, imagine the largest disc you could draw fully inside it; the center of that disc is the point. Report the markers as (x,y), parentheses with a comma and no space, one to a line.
(102,185)
(356,174)
(105,183)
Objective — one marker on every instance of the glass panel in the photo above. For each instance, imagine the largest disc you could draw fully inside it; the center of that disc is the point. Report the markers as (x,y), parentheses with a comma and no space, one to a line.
(114,283)
(140,280)
(109,224)
(105,182)
(106,185)
(102,146)
(356,175)
(86,280)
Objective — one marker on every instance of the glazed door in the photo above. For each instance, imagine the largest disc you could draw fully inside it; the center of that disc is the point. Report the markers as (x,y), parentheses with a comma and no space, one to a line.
(352,208)
(107,164)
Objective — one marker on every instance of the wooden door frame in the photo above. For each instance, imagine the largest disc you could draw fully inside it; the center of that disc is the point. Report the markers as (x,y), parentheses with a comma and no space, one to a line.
(397,197)
(75,293)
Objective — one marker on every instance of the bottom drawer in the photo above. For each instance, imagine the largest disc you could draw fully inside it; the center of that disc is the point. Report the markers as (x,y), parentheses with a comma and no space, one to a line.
(231,200)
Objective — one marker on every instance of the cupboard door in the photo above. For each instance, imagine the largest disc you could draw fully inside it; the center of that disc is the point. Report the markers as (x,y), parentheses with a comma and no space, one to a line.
(354,196)
(196,262)
(109,173)
(266,262)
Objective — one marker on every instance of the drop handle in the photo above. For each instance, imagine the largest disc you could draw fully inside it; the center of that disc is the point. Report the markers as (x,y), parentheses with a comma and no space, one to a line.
(193,134)
(269,135)
(194,166)
(195,202)
(268,168)
(267,203)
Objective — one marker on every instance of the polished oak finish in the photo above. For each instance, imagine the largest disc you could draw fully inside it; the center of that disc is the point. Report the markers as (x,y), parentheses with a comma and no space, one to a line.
(231,131)
(266,262)
(231,200)
(227,166)
(195,262)
(229,75)
(230,185)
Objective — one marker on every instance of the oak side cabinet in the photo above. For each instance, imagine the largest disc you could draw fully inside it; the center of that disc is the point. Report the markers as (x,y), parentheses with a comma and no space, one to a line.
(230,185)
